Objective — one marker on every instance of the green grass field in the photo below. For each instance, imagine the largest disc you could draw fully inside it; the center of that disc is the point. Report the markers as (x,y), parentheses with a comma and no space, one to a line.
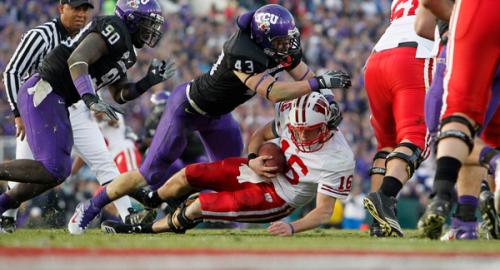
(255,239)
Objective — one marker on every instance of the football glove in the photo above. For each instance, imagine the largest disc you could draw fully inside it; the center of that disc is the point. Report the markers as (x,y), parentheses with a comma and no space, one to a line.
(334,79)
(99,106)
(160,71)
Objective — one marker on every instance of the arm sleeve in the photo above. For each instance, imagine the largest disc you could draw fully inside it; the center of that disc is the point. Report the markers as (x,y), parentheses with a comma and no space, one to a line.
(336,184)
(28,53)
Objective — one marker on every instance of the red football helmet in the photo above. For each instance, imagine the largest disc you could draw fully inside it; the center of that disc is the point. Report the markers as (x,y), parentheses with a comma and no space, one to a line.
(308,124)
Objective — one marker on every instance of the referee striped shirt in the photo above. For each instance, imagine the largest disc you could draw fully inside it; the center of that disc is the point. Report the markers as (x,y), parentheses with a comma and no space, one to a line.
(35,45)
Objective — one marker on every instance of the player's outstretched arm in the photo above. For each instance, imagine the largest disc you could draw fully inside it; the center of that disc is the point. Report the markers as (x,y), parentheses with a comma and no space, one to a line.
(159,71)
(318,216)
(267,86)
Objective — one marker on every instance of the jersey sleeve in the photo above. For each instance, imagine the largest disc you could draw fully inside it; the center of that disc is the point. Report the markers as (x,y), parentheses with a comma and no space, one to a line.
(114,34)
(336,184)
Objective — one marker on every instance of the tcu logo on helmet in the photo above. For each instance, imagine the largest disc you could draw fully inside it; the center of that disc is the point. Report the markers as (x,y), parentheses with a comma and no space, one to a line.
(266,17)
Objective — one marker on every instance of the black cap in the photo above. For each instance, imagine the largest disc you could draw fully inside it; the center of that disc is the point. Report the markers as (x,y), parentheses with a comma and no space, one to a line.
(77,3)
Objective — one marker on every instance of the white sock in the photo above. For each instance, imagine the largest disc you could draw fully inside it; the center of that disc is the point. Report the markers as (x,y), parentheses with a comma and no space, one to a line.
(122,205)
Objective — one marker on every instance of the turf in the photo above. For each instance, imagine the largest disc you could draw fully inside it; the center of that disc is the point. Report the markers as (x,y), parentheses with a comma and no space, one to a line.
(321,239)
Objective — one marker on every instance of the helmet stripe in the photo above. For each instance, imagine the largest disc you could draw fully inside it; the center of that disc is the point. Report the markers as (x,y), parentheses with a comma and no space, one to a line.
(304,107)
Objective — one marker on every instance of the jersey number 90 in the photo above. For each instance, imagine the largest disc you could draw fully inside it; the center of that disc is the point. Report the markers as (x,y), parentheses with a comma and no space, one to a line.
(110,34)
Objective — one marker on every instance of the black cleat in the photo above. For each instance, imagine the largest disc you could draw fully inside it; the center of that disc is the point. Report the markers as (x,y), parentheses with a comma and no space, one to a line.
(7,224)
(375,229)
(110,226)
(432,221)
(138,217)
(491,221)
(382,209)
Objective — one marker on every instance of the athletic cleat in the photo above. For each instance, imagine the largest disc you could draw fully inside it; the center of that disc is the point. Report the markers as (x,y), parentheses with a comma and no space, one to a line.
(85,212)
(7,224)
(110,226)
(375,229)
(491,221)
(432,221)
(382,209)
(461,230)
(138,217)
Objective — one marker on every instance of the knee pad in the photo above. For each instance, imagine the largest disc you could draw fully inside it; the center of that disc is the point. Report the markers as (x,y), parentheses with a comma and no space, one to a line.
(468,140)
(413,161)
(378,170)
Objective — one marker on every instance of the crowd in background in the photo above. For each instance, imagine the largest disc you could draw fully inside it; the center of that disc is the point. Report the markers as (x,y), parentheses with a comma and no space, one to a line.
(335,34)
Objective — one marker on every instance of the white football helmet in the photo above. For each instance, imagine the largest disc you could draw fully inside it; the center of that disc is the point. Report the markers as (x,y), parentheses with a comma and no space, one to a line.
(308,124)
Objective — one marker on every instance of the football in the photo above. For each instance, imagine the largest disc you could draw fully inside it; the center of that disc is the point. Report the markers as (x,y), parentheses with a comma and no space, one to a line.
(278,160)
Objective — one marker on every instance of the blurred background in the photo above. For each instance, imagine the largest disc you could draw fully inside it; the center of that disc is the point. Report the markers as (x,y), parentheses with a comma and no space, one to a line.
(335,34)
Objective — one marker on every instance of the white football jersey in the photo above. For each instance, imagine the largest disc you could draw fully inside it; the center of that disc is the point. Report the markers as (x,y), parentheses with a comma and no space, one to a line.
(401,29)
(115,136)
(328,171)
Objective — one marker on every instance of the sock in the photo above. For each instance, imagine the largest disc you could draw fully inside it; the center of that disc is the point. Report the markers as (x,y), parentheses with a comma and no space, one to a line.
(147,228)
(6,202)
(488,158)
(390,186)
(154,199)
(122,205)
(466,209)
(100,200)
(446,177)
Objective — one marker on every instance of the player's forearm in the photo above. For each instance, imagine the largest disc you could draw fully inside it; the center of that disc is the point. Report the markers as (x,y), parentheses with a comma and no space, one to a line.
(312,220)
(261,135)
(281,91)
(301,72)
(440,8)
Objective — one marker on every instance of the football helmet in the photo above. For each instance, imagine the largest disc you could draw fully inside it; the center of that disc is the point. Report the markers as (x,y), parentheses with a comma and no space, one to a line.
(308,124)
(273,29)
(143,19)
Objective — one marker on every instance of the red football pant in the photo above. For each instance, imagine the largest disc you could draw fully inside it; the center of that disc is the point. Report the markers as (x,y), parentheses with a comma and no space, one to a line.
(234,201)
(396,82)
(473,56)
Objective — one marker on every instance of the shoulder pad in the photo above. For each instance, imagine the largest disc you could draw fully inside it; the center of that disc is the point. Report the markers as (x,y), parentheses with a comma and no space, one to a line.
(114,33)
(244,55)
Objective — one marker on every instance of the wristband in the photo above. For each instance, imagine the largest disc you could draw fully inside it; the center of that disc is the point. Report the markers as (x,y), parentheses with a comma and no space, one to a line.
(252,156)
(314,84)
(292,228)
(83,85)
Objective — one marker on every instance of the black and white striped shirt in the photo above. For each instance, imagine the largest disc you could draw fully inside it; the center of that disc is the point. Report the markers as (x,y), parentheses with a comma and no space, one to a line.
(35,45)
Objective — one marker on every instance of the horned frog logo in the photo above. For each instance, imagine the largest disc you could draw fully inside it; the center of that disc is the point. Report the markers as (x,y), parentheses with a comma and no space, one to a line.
(133,3)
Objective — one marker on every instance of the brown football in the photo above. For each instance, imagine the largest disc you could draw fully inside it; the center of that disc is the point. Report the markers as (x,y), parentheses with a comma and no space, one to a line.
(278,160)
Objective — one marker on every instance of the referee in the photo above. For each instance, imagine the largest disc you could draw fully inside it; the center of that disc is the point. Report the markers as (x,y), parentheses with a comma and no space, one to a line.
(34,46)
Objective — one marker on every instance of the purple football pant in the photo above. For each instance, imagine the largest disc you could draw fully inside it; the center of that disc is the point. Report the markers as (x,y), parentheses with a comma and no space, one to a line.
(434,97)
(48,129)
(220,135)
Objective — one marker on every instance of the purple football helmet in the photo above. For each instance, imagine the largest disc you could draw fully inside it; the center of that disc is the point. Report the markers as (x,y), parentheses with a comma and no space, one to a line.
(143,19)
(273,29)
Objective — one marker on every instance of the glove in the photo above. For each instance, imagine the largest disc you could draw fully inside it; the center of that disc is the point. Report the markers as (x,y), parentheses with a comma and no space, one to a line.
(331,79)
(159,71)
(99,106)
(336,117)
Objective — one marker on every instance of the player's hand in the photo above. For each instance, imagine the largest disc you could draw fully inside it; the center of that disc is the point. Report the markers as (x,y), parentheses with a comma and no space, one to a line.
(336,117)
(280,229)
(20,130)
(160,71)
(258,165)
(100,107)
(334,79)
